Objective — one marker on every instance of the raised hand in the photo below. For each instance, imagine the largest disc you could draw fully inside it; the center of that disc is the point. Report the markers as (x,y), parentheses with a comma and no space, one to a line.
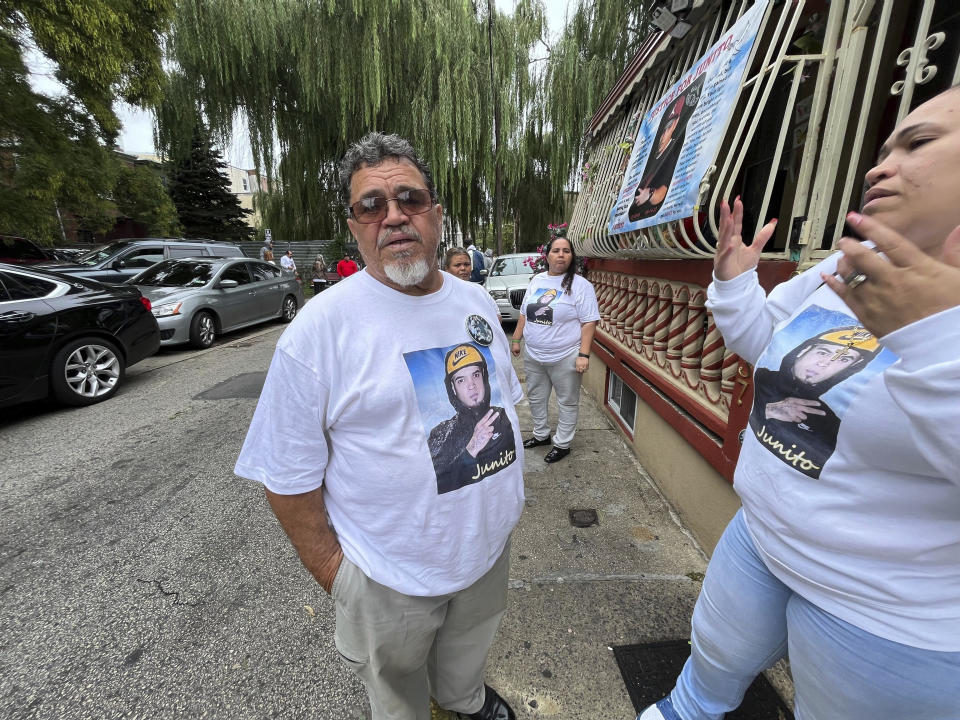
(906,287)
(732,257)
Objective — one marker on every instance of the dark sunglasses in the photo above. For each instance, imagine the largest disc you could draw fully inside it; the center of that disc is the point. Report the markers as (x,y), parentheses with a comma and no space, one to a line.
(374,208)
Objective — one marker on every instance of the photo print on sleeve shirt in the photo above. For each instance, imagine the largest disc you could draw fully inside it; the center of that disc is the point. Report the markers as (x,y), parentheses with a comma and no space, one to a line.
(805,381)
(470,436)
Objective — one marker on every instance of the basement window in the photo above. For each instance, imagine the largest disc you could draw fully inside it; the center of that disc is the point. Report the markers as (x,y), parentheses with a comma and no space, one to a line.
(622,400)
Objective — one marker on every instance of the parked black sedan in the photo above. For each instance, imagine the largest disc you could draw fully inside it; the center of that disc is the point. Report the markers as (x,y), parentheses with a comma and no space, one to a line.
(20,251)
(68,337)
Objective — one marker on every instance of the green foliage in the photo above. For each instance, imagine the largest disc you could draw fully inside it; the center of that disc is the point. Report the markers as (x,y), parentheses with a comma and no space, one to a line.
(598,42)
(485,238)
(54,151)
(200,191)
(310,78)
(340,247)
(140,194)
(104,50)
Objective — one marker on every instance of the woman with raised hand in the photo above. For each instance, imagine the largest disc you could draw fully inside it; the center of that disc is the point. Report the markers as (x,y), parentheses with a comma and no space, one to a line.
(846,553)
(558,317)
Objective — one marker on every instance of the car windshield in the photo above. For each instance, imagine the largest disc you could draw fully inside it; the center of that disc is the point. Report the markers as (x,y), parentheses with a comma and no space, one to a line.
(176,273)
(512,266)
(98,255)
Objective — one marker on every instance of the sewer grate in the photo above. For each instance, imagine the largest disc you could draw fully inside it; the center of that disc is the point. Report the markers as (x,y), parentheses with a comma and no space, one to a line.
(650,671)
(580,517)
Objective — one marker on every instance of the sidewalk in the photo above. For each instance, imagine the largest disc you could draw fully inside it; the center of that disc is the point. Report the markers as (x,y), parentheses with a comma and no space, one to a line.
(574,592)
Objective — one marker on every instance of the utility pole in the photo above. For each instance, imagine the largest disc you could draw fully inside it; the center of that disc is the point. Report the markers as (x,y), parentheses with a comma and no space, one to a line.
(63,233)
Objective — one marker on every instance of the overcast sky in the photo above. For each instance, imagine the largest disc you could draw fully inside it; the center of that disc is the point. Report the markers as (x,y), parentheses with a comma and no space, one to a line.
(137,134)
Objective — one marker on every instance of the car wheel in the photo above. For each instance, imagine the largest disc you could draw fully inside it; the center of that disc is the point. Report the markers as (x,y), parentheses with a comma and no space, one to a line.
(289,310)
(86,371)
(203,330)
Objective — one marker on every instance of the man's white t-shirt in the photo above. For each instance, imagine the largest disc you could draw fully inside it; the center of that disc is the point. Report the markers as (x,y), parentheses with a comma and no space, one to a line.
(357,383)
(287,263)
(554,316)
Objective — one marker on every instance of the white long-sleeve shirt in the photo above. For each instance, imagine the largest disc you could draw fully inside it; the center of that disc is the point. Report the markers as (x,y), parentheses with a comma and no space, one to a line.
(855,506)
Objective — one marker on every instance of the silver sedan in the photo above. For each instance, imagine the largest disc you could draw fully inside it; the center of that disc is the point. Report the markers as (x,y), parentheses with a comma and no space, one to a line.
(196,299)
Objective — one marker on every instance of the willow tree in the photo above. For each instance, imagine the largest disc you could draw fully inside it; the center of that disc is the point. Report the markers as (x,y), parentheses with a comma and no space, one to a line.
(598,41)
(309,78)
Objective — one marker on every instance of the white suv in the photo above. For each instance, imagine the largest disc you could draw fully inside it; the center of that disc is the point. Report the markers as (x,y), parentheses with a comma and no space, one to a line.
(507,281)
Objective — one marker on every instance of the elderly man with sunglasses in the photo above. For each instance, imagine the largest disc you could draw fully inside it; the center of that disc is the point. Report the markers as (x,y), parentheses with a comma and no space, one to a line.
(417,568)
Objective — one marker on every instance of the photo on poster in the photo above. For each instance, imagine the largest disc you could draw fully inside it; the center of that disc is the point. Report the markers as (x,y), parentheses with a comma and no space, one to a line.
(469,433)
(540,306)
(661,164)
(805,381)
(679,136)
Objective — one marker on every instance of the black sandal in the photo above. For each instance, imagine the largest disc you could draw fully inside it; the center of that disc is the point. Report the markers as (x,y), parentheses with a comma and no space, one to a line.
(494,708)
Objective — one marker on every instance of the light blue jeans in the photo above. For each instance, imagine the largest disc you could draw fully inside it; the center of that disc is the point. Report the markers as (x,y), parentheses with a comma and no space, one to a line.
(746,619)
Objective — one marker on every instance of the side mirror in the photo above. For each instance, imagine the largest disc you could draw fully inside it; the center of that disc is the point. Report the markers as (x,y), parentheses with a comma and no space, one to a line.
(483,272)
(227,284)
(118,265)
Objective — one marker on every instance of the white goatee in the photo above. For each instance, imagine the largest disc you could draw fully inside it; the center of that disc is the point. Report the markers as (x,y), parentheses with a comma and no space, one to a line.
(406,274)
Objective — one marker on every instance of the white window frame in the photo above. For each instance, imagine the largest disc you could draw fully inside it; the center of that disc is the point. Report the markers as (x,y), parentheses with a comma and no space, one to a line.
(615,389)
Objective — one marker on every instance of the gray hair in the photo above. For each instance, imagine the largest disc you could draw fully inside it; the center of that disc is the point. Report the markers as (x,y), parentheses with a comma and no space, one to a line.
(371,150)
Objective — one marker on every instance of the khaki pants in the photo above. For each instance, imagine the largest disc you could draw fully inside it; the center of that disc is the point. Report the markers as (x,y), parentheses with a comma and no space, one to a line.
(407,648)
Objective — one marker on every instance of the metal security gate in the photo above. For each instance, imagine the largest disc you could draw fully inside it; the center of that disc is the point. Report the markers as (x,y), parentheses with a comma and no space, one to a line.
(828,81)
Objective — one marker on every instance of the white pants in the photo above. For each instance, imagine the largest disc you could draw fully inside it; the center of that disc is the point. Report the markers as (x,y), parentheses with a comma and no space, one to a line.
(561,376)
(407,648)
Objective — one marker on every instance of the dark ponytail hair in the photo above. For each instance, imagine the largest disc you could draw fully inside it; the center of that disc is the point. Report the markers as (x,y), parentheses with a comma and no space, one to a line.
(567,282)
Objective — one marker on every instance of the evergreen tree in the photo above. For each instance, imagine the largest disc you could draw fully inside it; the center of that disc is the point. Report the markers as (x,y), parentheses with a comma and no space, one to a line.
(200,190)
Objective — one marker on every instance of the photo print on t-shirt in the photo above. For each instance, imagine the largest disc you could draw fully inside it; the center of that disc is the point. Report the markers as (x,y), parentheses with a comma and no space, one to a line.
(539,308)
(468,432)
(804,383)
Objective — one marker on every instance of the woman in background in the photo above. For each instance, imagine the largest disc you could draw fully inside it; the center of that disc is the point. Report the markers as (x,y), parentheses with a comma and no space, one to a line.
(319,273)
(456,261)
(558,317)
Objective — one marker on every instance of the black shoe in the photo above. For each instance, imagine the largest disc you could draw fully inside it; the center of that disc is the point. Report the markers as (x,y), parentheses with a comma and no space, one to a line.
(494,708)
(536,442)
(556,454)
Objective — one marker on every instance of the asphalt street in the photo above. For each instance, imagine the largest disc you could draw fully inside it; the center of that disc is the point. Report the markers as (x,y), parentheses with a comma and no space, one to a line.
(141,579)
